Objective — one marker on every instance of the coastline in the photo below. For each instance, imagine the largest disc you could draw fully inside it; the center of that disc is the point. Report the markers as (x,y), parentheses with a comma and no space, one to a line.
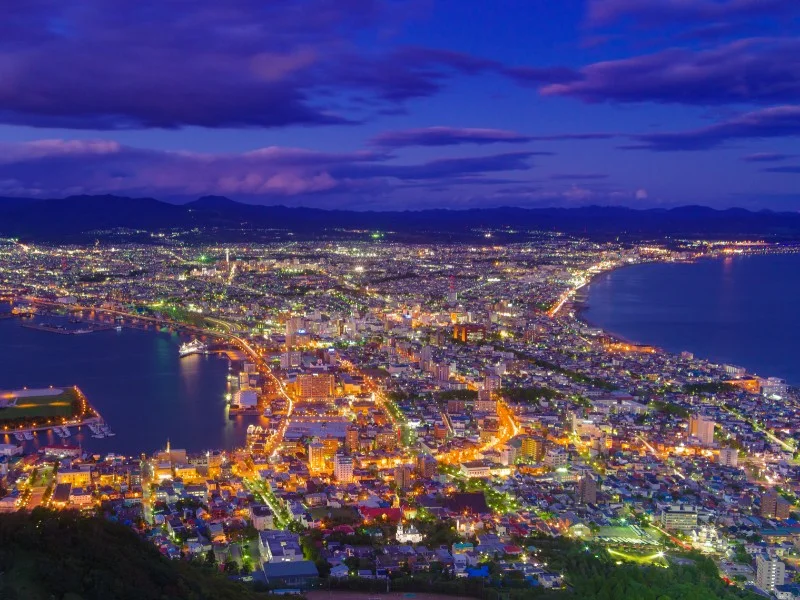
(580,308)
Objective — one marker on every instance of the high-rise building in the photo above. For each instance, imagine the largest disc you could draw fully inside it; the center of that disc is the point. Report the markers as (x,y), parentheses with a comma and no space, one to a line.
(769,572)
(729,457)
(351,438)
(532,448)
(294,324)
(316,455)
(587,490)
(702,428)
(425,465)
(403,477)
(343,468)
(682,517)
(556,458)
(508,454)
(426,354)
(315,386)
(773,386)
(492,382)
(468,332)
(774,506)
(291,359)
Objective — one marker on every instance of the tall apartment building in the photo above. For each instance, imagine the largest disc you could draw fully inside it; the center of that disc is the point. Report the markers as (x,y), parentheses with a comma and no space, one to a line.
(729,457)
(532,448)
(351,438)
(587,490)
(425,465)
(343,468)
(403,477)
(316,455)
(315,386)
(702,428)
(769,572)
(774,506)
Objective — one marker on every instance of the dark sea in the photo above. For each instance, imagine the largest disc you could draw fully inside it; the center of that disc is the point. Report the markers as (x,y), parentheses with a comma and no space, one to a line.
(134,378)
(743,310)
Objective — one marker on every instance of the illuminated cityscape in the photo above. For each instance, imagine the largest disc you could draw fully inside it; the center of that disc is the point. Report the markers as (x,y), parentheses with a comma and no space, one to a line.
(445,402)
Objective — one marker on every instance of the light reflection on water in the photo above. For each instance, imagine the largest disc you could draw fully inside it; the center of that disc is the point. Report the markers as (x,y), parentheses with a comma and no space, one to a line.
(137,382)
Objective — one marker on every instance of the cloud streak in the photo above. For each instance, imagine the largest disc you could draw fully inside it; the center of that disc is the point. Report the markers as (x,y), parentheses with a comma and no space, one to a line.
(53,168)
(447,136)
(606,12)
(759,71)
(766,157)
(774,122)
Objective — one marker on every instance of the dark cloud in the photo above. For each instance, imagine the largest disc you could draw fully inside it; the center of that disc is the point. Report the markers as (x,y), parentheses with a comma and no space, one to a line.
(119,64)
(559,137)
(53,168)
(651,12)
(59,167)
(578,176)
(778,121)
(793,169)
(766,157)
(446,136)
(540,75)
(442,167)
(750,70)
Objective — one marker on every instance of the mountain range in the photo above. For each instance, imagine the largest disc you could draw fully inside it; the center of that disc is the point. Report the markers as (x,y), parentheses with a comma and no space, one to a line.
(214,217)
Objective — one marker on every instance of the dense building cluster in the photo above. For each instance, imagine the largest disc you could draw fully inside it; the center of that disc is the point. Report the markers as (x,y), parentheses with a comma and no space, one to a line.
(424,407)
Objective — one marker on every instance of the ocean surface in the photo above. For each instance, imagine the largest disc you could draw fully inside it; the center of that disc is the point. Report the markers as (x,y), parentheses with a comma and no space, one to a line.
(134,378)
(742,310)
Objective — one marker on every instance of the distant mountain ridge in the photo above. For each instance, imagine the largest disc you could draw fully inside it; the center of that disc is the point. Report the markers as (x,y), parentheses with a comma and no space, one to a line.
(81,216)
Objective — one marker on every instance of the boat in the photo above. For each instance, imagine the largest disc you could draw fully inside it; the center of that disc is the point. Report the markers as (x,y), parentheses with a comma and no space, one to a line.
(79,331)
(193,347)
(19,437)
(66,431)
(28,435)
(118,327)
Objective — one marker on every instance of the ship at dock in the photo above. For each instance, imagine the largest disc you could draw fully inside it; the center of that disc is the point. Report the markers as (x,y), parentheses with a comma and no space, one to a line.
(193,347)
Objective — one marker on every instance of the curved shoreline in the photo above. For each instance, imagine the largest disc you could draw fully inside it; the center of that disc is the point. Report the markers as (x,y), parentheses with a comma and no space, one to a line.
(581,309)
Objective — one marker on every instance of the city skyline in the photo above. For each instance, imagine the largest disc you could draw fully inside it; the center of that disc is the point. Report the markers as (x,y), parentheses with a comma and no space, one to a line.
(395,105)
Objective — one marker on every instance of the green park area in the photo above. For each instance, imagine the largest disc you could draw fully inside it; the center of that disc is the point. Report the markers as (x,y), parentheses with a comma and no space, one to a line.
(28,406)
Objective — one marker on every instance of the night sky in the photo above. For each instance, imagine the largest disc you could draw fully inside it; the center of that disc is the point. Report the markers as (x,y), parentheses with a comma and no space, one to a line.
(371,104)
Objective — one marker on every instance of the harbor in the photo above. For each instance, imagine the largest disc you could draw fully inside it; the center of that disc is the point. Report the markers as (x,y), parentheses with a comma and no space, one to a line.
(138,383)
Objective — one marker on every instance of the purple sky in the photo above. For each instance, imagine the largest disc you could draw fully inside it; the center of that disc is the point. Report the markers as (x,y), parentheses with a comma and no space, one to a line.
(388,104)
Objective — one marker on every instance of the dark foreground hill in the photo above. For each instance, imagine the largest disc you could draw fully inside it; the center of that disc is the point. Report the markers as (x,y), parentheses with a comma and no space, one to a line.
(62,556)
(78,217)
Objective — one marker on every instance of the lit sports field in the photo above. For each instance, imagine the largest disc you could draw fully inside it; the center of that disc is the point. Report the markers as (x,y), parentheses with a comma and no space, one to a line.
(37,404)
